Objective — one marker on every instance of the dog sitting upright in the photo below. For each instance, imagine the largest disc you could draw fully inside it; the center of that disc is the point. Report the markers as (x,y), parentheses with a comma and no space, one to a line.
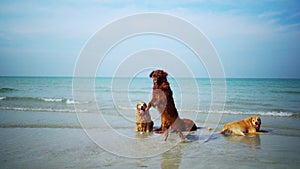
(143,118)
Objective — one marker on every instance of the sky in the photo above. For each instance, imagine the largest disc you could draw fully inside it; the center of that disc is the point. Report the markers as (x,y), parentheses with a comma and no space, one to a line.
(253,38)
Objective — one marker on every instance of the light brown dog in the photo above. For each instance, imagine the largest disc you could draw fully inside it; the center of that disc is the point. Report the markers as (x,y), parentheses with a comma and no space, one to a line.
(249,125)
(143,118)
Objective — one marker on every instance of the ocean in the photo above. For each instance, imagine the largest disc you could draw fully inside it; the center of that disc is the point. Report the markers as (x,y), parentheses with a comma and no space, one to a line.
(61,122)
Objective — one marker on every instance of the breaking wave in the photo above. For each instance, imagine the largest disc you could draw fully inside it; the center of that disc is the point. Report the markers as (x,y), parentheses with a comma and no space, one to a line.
(57,100)
(43,109)
(261,113)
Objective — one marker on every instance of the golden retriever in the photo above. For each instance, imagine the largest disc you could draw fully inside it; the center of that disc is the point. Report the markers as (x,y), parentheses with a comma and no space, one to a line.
(143,118)
(250,125)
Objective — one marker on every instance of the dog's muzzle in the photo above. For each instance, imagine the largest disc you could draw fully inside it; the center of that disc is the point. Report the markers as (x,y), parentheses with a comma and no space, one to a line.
(142,109)
(155,79)
(257,125)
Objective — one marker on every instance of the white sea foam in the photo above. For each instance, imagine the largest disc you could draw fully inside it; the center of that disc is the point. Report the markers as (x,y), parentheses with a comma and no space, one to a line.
(71,101)
(43,109)
(67,101)
(52,99)
(261,113)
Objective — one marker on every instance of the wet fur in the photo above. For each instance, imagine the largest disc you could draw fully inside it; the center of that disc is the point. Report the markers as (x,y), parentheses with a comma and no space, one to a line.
(162,99)
(249,125)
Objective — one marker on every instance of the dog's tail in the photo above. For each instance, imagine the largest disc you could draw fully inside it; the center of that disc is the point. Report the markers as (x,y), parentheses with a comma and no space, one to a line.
(226,132)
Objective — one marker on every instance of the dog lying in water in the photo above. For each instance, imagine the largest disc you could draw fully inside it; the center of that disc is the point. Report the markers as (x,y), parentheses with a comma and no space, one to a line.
(143,118)
(250,125)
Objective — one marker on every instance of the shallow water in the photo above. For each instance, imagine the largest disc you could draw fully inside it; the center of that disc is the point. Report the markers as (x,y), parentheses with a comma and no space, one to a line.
(56,140)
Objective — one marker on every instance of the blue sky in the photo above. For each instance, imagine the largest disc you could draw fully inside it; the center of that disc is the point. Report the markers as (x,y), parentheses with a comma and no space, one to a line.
(254,39)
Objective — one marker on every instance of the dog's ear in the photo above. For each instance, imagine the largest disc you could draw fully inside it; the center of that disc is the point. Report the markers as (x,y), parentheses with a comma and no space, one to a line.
(151,74)
(165,74)
(257,118)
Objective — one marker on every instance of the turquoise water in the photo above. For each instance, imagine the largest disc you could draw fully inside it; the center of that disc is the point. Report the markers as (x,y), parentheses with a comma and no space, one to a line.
(39,126)
(270,97)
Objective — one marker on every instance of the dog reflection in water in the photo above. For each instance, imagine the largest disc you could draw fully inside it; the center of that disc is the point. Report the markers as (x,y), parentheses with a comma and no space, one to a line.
(252,140)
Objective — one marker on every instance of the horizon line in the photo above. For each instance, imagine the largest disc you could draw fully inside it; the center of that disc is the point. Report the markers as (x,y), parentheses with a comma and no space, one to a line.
(61,76)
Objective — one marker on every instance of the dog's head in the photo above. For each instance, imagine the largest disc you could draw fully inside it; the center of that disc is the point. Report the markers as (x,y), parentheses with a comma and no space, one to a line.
(256,122)
(141,107)
(158,76)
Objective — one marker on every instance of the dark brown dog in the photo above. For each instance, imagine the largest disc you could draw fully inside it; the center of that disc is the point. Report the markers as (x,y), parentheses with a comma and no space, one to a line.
(143,118)
(162,99)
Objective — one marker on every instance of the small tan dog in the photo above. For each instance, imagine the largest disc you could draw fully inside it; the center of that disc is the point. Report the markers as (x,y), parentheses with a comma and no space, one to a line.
(143,118)
(250,125)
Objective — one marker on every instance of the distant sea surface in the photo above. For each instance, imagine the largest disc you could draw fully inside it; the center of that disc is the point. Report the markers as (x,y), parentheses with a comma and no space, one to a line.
(39,126)
(269,97)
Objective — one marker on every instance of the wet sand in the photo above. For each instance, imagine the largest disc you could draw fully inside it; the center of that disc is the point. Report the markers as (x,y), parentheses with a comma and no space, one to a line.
(44,140)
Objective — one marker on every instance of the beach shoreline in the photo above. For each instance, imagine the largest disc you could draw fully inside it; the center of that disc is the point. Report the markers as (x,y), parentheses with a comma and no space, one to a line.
(27,146)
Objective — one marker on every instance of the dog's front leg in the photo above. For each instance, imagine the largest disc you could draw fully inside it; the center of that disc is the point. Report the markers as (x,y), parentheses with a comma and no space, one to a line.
(148,106)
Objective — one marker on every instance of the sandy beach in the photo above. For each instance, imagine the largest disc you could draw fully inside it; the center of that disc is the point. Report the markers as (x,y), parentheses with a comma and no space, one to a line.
(32,143)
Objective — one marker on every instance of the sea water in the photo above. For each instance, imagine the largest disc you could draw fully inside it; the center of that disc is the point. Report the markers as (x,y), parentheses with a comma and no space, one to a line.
(270,97)
(42,123)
